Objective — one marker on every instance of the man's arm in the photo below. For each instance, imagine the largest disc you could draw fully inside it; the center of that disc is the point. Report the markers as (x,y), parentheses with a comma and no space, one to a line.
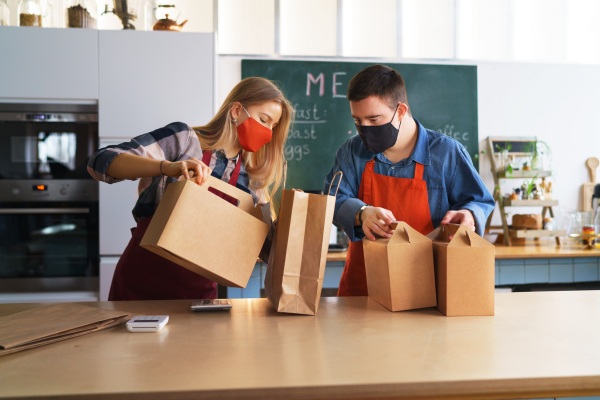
(470,201)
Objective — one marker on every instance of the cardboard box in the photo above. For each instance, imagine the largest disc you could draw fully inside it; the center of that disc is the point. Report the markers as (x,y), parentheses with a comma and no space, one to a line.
(464,271)
(400,272)
(206,234)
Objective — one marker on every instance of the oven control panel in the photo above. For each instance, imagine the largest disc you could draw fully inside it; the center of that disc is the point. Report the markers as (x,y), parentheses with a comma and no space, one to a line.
(48,190)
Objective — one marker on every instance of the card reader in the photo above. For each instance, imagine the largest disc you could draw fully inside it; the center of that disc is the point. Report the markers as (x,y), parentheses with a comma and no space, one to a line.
(147,323)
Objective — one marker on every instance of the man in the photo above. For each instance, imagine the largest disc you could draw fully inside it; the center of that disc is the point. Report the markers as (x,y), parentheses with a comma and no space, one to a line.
(396,170)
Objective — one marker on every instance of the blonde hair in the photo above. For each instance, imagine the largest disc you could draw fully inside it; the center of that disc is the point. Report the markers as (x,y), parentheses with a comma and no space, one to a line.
(264,167)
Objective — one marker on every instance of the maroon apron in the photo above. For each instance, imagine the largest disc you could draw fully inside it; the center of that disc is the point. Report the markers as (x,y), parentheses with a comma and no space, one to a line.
(142,275)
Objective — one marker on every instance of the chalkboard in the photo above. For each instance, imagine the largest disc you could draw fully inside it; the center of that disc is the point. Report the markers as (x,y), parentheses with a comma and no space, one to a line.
(442,97)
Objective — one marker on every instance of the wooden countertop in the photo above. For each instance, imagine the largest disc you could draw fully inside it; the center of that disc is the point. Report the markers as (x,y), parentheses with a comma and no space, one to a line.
(542,344)
(533,249)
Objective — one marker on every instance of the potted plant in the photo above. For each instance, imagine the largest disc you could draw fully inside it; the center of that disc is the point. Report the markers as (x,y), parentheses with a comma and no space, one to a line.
(536,149)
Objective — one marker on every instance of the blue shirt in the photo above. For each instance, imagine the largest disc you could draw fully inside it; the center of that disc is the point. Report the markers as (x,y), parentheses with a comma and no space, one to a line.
(452,181)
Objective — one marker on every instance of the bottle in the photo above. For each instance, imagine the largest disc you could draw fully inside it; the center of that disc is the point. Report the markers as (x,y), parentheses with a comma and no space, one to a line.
(597,225)
(4,13)
(30,13)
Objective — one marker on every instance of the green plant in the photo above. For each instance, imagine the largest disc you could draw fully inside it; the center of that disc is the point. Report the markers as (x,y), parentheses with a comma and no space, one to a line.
(535,148)
(530,185)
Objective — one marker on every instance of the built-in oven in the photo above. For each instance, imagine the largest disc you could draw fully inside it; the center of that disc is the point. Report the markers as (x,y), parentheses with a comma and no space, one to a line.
(49,247)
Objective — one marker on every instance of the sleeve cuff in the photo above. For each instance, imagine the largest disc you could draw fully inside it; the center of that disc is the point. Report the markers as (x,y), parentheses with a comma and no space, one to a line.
(478,216)
(346,216)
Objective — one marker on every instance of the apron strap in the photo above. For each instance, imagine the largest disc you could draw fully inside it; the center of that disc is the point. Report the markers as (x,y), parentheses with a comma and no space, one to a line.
(418,171)
(207,155)
(368,182)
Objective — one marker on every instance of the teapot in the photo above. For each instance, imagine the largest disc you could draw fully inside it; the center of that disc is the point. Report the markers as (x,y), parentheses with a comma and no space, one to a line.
(167,24)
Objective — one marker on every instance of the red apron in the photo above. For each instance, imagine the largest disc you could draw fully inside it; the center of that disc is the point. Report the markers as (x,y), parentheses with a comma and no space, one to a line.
(143,275)
(405,198)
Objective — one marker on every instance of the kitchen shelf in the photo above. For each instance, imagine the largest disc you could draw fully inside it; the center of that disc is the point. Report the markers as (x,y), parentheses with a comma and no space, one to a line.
(506,202)
(524,174)
(530,203)
(536,233)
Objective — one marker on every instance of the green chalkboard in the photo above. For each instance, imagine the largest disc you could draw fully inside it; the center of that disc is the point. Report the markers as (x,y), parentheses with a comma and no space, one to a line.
(442,97)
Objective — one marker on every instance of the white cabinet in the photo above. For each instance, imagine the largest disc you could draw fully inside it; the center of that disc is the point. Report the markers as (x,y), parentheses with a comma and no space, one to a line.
(150,79)
(50,64)
(107,270)
(116,202)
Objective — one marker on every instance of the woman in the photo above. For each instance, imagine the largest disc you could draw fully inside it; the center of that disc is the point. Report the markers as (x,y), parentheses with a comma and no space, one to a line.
(242,145)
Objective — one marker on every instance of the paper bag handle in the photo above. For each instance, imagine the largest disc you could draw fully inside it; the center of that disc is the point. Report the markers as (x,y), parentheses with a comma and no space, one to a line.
(246,201)
(338,185)
(284,173)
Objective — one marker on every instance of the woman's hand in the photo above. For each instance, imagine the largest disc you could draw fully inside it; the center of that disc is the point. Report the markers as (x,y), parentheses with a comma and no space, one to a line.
(377,220)
(199,171)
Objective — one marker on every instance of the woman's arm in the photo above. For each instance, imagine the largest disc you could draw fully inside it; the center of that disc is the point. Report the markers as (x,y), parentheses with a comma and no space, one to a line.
(141,157)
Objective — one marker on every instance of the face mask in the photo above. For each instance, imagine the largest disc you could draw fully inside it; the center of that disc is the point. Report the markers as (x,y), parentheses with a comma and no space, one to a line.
(252,134)
(379,138)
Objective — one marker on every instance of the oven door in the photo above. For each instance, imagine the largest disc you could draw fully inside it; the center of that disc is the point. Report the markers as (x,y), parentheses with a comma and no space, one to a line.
(49,240)
(46,150)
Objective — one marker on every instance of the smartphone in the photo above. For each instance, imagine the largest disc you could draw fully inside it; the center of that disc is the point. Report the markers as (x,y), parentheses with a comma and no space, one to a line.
(211,305)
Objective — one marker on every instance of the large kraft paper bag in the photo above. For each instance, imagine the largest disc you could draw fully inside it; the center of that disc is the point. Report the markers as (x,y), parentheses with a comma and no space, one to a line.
(464,271)
(206,234)
(400,274)
(296,265)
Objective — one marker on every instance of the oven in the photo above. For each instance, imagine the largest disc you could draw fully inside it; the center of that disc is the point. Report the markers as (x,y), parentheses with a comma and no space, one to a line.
(49,242)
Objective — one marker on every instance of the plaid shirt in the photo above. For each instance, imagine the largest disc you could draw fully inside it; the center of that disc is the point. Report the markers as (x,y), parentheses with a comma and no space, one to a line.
(174,142)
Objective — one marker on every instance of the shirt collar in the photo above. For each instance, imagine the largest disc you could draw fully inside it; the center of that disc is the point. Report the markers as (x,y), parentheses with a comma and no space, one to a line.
(420,153)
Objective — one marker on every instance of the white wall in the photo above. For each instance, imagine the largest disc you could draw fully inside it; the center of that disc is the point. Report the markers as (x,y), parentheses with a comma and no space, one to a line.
(556,103)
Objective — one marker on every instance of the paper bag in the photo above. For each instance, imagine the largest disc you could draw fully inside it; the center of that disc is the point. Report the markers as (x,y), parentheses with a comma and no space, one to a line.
(296,265)
(400,274)
(464,271)
(207,234)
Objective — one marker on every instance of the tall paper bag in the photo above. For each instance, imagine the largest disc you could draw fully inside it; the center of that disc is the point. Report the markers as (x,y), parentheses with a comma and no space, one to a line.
(298,255)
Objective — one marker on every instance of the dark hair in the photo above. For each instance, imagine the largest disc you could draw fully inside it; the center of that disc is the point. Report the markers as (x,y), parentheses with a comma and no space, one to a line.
(380,81)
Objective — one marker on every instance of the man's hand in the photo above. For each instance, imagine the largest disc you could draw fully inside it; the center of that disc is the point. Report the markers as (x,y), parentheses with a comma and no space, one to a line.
(377,220)
(461,217)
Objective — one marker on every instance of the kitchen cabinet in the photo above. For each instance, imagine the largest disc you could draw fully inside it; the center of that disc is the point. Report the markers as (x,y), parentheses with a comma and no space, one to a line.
(48,64)
(107,270)
(116,202)
(150,79)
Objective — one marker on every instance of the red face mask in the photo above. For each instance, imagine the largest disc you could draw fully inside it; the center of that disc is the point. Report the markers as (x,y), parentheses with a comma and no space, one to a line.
(252,134)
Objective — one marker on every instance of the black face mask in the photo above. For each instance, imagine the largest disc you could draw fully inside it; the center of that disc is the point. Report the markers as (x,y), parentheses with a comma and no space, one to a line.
(379,138)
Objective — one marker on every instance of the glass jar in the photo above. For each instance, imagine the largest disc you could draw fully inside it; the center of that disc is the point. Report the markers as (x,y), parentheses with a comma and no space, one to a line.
(30,13)
(81,14)
(4,13)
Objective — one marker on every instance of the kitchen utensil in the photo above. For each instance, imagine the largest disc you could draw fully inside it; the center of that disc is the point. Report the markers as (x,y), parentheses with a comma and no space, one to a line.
(126,10)
(166,24)
(588,188)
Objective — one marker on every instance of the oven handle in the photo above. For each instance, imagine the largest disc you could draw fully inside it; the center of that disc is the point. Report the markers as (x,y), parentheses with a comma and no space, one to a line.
(44,210)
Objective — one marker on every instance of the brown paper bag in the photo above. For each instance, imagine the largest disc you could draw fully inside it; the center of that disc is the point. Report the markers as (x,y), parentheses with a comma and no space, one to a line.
(400,274)
(464,271)
(296,265)
(206,234)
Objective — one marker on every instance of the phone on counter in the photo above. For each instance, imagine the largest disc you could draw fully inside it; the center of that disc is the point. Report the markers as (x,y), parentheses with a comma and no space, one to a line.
(211,305)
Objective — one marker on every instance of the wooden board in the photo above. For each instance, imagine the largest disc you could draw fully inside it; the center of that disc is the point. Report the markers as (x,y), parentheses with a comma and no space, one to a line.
(530,203)
(542,344)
